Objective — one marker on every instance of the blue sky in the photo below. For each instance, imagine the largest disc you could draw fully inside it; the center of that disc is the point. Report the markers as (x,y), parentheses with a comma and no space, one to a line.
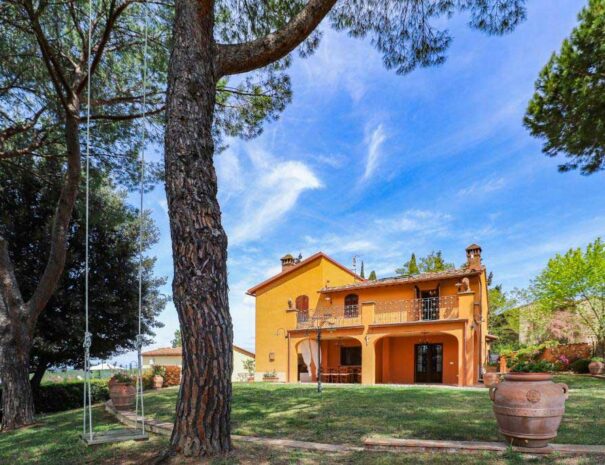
(368,163)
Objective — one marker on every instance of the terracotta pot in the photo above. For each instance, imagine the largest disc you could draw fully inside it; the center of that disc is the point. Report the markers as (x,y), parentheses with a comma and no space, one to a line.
(158,382)
(122,395)
(528,408)
(271,379)
(491,379)
(596,368)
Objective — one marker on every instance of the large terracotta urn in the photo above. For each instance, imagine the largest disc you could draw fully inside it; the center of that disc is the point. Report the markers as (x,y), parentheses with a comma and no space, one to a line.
(122,395)
(528,408)
(596,367)
(158,381)
(490,379)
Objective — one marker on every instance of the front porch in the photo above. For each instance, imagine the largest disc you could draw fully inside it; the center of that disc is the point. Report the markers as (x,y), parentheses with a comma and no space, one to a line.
(400,355)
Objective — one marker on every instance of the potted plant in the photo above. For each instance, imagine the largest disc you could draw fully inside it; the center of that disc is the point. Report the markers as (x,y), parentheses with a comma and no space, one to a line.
(122,391)
(528,405)
(596,366)
(159,372)
(250,368)
(270,376)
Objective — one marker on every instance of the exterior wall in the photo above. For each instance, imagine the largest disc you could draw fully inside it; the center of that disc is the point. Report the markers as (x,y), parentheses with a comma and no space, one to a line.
(273,317)
(396,365)
(381,363)
(162,360)
(238,359)
(239,372)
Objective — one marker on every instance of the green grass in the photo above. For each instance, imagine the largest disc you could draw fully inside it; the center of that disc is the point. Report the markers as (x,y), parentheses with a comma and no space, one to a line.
(346,415)
(339,415)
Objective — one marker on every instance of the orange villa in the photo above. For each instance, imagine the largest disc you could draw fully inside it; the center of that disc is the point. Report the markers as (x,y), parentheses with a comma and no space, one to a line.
(424,328)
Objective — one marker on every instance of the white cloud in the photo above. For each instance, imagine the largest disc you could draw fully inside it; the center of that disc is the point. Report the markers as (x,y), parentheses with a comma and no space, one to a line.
(332,160)
(417,221)
(230,173)
(483,187)
(374,142)
(268,191)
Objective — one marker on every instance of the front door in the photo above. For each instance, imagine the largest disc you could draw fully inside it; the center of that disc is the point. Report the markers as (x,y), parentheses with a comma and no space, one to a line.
(429,363)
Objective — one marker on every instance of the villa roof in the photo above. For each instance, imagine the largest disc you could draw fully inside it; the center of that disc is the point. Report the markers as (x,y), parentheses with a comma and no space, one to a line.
(252,291)
(394,281)
(178,351)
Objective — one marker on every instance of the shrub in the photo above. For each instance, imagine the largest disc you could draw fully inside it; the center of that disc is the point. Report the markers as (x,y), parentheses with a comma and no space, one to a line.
(68,395)
(562,363)
(580,365)
(121,377)
(531,353)
(528,366)
(173,375)
(158,370)
(147,376)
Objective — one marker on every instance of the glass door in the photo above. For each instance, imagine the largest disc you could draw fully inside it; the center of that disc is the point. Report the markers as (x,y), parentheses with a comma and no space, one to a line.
(428,363)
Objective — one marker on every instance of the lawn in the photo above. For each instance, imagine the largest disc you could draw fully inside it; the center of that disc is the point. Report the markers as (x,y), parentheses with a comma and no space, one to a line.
(340,415)
(346,415)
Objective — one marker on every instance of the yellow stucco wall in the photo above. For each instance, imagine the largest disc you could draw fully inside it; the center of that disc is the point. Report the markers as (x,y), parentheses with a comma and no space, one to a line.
(272,318)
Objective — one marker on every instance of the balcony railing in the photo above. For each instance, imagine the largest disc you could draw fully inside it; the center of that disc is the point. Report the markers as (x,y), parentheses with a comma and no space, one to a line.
(413,310)
(329,317)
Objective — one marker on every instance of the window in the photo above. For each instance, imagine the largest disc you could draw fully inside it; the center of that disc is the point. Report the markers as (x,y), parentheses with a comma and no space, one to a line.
(302,305)
(350,356)
(351,306)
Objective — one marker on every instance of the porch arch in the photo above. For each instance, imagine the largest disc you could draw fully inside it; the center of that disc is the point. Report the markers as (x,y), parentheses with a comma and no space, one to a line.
(338,352)
(395,361)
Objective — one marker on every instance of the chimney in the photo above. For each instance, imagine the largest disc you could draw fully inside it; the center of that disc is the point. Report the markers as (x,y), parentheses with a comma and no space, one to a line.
(287,261)
(473,257)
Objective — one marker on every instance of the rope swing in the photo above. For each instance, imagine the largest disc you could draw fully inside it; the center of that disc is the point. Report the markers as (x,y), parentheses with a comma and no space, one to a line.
(89,436)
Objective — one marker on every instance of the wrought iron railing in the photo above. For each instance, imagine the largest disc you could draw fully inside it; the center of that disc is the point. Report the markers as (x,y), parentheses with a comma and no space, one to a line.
(412,310)
(336,317)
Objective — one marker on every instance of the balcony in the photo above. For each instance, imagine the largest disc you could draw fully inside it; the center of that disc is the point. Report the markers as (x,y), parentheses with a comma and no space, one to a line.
(415,310)
(329,317)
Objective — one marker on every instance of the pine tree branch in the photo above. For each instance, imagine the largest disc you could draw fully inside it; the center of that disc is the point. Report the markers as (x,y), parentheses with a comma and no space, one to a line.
(20,128)
(99,48)
(55,71)
(127,117)
(60,226)
(248,56)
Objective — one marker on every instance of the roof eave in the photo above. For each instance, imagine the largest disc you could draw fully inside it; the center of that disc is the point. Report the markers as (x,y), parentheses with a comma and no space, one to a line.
(252,291)
(329,290)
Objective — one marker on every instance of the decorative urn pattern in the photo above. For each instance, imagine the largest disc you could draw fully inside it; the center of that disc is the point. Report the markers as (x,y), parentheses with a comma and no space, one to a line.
(529,408)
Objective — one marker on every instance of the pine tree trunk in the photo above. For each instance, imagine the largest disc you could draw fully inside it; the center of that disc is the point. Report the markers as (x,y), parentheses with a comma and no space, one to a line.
(199,243)
(17,399)
(36,379)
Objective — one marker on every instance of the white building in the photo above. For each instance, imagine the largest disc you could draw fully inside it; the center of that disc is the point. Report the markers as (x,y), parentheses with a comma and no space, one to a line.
(174,356)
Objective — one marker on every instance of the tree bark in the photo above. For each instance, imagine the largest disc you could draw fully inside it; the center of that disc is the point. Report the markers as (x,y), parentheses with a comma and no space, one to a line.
(199,243)
(15,344)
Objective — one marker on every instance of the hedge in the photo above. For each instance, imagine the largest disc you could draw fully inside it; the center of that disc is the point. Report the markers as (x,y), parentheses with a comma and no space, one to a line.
(57,397)
(580,365)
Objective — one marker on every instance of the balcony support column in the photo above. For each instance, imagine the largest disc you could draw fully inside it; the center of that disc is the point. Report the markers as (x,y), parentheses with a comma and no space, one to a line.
(368,361)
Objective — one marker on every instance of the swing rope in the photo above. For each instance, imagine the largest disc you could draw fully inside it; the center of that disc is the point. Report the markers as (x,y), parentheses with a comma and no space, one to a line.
(87,423)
